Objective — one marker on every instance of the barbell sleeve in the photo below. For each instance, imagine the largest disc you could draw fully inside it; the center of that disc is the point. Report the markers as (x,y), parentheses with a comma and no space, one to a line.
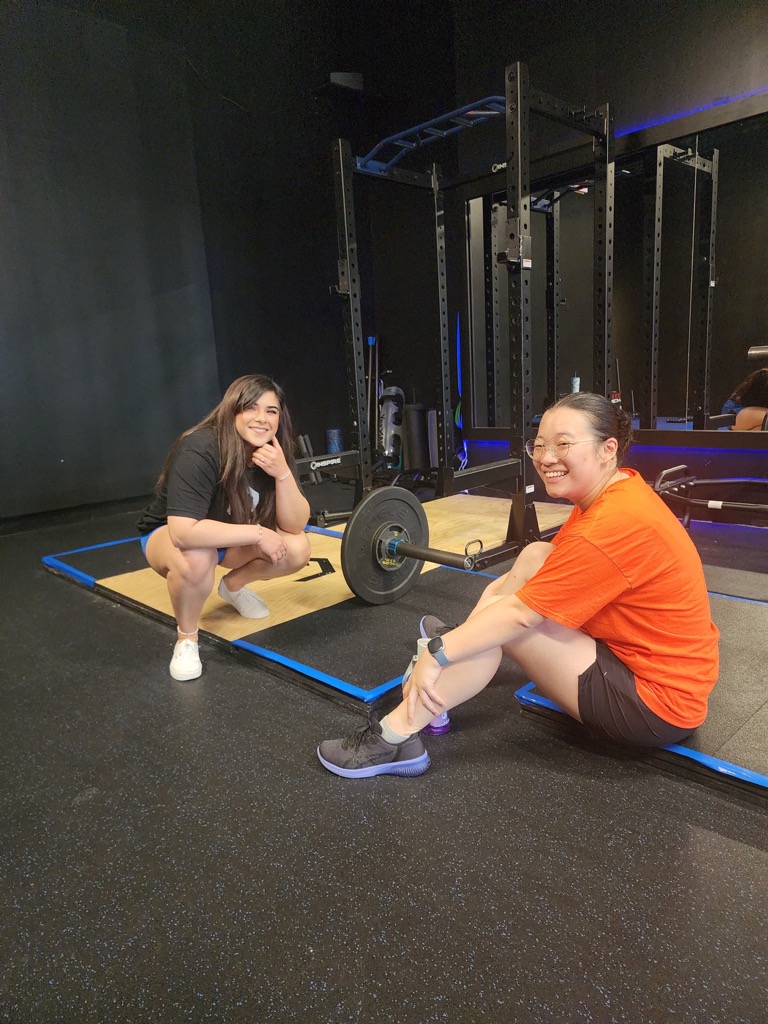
(402,549)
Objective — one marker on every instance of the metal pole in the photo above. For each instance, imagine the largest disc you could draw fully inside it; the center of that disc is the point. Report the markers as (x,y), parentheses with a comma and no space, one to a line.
(348,288)
(553,297)
(603,256)
(523,526)
(444,413)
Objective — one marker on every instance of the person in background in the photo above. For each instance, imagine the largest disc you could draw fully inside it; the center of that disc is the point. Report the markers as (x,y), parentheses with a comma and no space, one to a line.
(750,401)
(611,620)
(228,496)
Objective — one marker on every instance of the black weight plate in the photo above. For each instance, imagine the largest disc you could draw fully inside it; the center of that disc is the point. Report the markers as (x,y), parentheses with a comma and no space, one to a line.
(365,575)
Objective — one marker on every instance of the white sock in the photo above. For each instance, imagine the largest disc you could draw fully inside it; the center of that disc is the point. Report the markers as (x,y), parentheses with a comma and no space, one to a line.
(389,733)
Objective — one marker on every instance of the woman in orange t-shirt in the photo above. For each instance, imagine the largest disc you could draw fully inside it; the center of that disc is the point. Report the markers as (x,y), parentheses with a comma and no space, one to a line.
(611,620)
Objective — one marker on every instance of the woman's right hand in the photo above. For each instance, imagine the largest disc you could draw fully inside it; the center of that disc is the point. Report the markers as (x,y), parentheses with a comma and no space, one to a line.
(272,544)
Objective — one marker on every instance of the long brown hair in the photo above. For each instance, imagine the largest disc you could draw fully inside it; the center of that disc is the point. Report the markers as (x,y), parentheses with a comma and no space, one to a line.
(234,453)
(753,390)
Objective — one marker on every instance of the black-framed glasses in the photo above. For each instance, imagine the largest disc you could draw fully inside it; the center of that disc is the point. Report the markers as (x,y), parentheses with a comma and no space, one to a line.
(537,449)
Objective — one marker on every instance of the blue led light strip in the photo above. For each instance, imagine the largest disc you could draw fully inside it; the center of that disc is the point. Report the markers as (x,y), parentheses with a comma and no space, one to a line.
(722,102)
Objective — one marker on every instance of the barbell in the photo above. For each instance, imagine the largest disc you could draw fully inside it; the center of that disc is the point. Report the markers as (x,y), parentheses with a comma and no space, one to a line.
(384,546)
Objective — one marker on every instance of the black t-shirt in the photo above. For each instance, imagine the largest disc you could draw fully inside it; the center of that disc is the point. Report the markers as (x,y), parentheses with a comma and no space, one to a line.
(191,485)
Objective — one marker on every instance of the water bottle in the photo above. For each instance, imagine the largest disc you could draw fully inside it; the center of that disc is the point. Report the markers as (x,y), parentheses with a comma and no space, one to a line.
(441,723)
(575,383)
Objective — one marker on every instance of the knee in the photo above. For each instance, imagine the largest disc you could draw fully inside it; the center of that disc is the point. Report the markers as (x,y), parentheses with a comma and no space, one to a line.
(532,557)
(194,567)
(298,551)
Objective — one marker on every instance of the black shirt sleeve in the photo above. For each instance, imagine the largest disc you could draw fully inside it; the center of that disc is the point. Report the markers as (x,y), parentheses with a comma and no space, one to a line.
(192,479)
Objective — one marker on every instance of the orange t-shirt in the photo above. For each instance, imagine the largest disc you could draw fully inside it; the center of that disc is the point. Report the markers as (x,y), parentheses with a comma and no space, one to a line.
(627,573)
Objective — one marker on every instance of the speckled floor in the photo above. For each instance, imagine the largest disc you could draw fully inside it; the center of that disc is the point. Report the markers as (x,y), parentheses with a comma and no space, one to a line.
(174,851)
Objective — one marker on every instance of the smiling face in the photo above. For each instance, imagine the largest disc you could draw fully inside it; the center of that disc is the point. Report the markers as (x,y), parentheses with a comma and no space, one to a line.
(587,469)
(257,424)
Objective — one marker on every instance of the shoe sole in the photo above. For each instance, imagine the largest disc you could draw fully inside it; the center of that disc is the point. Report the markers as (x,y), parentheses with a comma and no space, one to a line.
(184,677)
(408,769)
(440,730)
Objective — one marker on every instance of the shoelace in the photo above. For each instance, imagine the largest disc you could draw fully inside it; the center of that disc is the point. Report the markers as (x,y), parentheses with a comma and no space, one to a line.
(361,737)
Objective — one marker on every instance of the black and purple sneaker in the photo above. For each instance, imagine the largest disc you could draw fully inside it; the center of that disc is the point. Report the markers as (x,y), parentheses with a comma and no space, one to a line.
(430,626)
(365,753)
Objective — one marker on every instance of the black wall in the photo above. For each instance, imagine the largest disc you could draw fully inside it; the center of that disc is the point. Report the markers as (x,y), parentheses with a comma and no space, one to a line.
(740,317)
(107,339)
(168,219)
(168,223)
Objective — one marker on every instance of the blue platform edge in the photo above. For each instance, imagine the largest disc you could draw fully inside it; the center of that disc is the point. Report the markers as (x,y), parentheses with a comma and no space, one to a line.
(366,696)
(528,698)
(54,561)
(369,696)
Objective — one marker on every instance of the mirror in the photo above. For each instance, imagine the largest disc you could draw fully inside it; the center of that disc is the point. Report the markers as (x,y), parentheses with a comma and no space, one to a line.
(714,183)
(690,239)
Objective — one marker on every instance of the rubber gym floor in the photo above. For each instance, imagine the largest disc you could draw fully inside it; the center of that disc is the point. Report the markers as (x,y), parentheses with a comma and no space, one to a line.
(175,852)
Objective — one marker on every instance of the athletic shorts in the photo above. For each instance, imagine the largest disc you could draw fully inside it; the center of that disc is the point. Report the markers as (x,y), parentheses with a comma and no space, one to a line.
(609,705)
(145,537)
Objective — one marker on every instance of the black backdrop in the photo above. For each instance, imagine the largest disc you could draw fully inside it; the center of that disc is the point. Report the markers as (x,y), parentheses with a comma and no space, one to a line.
(167,217)
(105,311)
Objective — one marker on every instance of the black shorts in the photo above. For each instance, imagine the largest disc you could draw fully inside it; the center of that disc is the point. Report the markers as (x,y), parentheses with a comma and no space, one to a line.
(609,705)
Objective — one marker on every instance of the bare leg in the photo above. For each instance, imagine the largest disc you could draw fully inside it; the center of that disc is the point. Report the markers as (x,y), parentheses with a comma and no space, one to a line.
(248,564)
(526,565)
(189,575)
(551,655)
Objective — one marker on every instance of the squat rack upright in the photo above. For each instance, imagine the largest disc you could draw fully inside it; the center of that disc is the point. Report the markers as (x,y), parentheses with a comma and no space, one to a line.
(518,103)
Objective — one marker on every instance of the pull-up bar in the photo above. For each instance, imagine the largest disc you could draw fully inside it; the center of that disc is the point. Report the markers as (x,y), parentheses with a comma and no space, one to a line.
(438,128)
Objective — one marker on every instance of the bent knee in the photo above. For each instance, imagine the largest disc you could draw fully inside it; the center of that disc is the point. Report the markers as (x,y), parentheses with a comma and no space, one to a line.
(194,565)
(297,552)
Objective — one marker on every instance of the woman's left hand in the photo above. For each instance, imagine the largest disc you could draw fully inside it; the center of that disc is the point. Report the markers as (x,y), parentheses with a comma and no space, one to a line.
(420,687)
(270,458)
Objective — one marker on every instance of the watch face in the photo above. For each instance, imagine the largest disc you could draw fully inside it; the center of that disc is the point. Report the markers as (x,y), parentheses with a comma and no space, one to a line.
(435,644)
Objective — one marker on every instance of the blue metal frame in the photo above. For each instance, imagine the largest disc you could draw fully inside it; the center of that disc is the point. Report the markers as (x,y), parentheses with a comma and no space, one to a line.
(429,131)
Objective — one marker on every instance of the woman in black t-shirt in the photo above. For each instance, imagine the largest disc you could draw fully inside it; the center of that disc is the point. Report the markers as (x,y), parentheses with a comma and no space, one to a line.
(227,495)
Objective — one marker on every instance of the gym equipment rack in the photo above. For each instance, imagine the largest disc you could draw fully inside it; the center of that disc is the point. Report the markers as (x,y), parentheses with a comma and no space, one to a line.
(518,104)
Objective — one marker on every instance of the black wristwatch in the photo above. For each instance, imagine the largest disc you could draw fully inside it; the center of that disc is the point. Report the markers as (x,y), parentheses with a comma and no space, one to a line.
(436,649)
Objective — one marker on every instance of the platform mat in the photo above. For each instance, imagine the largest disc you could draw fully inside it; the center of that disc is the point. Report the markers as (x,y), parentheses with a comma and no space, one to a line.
(319,634)
(369,646)
(737,582)
(121,569)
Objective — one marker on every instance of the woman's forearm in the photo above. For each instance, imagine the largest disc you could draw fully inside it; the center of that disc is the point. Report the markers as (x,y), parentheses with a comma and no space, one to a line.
(210,533)
(291,507)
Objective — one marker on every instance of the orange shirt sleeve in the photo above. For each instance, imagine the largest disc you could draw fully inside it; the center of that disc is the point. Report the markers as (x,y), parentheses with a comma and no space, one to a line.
(574,584)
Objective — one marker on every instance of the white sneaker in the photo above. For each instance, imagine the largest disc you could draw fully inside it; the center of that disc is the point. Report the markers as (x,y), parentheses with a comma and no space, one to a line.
(185,663)
(245,601)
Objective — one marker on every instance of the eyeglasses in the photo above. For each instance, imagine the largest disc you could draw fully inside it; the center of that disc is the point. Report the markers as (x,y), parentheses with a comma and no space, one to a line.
(537,449)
